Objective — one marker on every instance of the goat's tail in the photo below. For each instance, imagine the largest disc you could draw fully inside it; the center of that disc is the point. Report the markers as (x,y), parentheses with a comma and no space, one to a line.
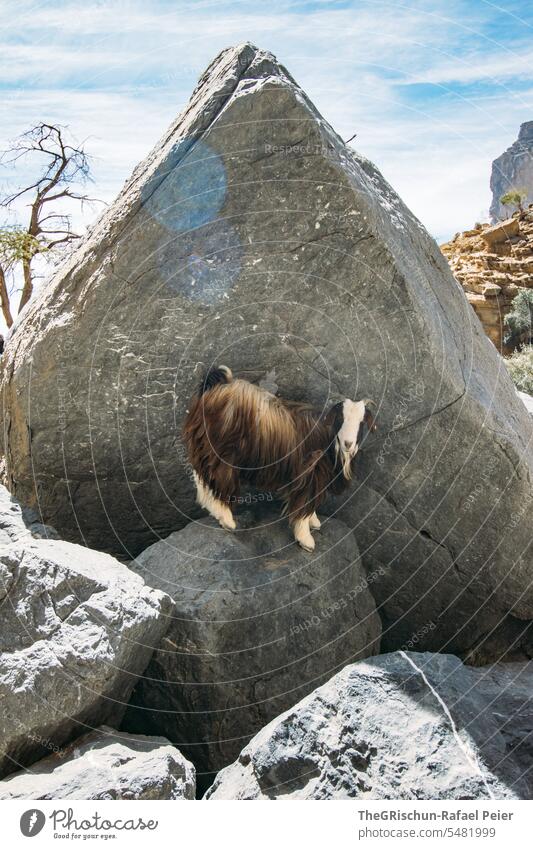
(220,374)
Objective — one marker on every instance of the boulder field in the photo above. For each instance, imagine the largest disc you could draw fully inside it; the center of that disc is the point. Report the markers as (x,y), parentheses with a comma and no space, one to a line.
(253,235)
(257,624)
(219,633)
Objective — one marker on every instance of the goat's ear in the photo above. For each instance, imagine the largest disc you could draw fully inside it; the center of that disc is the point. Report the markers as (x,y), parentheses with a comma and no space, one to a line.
(336,416)
(370,421)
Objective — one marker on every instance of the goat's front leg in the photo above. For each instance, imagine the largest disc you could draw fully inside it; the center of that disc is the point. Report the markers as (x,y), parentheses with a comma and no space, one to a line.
(218,509)
(302,533)
(314,522)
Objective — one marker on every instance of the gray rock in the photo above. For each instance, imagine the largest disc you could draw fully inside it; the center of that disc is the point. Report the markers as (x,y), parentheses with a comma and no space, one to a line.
(106,764)
(513,170)
(398,726)
(18,524)
(257,624)
(77,630)
(40,531)
(37,528)
(253,235)
(527,400)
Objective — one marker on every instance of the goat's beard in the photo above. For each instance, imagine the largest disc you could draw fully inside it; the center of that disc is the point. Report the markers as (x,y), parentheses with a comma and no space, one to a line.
(345,459)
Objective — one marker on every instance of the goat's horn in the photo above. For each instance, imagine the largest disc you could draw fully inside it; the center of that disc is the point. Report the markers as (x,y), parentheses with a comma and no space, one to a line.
(368,402)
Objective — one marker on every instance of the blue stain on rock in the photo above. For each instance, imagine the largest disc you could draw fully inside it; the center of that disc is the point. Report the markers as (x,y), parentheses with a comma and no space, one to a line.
(200,256)
(204,264)
(189,189)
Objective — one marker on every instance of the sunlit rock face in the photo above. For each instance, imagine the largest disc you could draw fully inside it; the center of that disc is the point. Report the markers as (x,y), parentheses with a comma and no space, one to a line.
(78,628)
(513,170)
(252,236)
(406,725)
(106,764)
(494,264)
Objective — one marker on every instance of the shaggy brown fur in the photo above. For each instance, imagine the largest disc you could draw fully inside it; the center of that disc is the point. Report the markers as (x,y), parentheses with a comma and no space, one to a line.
(236,431)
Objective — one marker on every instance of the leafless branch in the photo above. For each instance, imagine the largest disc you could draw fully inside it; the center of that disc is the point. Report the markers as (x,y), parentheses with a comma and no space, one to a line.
(63,167)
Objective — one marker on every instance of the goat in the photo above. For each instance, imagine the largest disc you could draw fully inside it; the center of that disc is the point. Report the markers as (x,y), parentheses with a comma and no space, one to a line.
(236,431)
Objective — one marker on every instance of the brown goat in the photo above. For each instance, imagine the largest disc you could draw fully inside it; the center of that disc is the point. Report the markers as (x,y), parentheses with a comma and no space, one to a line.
(236,431)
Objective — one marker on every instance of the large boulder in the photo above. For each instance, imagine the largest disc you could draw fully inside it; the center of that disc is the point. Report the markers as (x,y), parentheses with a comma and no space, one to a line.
(257,624)
(398,726)
(77,630)
(252,235)
(106,764)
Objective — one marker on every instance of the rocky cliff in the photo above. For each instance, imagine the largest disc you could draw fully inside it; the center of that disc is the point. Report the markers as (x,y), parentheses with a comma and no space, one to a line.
(513,170)
(493,264)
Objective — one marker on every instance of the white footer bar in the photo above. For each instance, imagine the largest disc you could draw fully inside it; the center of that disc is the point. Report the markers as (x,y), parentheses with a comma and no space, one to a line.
(254,825)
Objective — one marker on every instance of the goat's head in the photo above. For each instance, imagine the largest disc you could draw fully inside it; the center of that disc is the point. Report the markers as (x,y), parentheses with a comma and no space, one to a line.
(349,421)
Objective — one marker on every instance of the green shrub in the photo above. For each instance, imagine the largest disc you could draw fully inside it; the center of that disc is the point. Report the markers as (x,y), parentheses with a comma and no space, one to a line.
(520,367)
(514,197)
(519,320)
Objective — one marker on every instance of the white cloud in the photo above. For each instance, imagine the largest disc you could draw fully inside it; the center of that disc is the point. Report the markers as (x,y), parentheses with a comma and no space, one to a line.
(510,65)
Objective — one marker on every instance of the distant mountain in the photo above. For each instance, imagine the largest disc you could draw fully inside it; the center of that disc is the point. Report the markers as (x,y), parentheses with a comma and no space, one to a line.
(513,170)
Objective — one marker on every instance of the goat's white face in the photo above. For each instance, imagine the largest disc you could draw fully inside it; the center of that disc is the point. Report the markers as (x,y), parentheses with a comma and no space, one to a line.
(353,413)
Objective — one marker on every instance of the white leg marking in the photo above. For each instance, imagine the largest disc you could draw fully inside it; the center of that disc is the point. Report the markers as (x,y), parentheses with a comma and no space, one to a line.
(314,522)
(213,505)
(302,534)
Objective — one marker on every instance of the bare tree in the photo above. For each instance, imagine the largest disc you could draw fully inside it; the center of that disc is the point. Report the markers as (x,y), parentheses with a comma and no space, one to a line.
(63,170)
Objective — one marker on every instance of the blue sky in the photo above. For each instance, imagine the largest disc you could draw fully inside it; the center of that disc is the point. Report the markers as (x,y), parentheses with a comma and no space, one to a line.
(434,89)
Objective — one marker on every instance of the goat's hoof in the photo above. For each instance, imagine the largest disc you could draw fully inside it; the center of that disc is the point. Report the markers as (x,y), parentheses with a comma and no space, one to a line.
(314,523)
(307,545)
(228,524)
